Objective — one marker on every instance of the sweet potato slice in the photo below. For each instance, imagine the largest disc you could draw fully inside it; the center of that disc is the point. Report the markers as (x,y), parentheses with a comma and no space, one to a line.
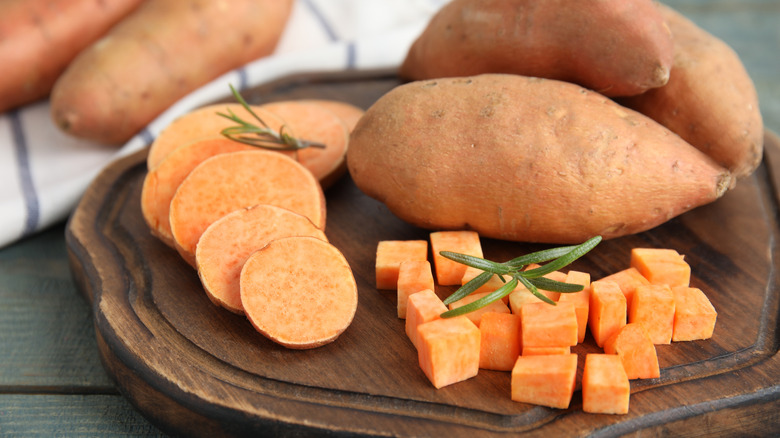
(227,243)
(299,292)
(160,183)
(228,182)
(348,113)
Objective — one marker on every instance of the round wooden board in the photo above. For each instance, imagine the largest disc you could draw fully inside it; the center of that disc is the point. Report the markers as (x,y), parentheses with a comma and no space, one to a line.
(194,369)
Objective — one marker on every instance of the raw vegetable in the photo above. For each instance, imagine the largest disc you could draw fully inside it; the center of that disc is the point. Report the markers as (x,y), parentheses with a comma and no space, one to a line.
(616,47)
(544,325)
(500,341)
(605,385)
(230,181)
(653,308)
(39,38)
(636,351)
(628,280)
(348,113)
(155,56)
(424,306)
(497,306)
(661,266)
(608,310)
(710,99)
(525,159)
(229,241)
(545,351)
(449,272)
(545,380)
(413,276)
(448,350)
(389,256)
(694,314)
(580,300)
(299,292)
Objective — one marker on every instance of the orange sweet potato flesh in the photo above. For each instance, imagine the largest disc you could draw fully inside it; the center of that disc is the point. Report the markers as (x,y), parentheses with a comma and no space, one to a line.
(389,256)
(627,279)
(227,243)
(661,266)
(475,316)
(544,325)
(653,308)
(607,310)
(605,385)
(694,314)
(39,38)
(710,99)
(500,341)
(348,113)
(161,182)
(545,380)
(448,352)
(413,276)
(159,53)
(234,180)
(466,155)
(424,306)
(449,272)
(636,350)
(299,292)
(616,47)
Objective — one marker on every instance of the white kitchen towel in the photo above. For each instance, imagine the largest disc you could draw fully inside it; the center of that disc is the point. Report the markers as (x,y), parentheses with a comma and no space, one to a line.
(43,172)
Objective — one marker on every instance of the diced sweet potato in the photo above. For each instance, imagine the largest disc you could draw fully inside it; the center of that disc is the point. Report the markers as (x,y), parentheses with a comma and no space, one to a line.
(413,276)
(607,310)
(449,272)
(628,279)
(653,307)
(605,385)
(449,350)
(545,325)
(694,315)
(500,344)
(544,380)
(475,316)
(545,351)
(635,349)
(661,266)
(581,300)
(494,283)
(422,307)
(390,254)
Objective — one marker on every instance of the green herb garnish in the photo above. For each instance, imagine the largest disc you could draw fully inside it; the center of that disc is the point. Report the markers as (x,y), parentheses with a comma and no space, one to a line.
(512,274)
(261,135)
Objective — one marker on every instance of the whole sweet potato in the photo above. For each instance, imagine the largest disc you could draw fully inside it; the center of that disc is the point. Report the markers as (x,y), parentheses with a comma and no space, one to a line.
(616,47)
(525,159)
(710,100)
(155,56)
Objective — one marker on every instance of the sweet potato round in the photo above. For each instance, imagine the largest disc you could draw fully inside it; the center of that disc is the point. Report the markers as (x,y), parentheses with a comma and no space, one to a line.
(525,159)
(616,47)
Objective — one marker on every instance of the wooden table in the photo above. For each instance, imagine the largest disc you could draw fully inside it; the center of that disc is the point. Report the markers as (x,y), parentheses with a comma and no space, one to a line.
(51,378)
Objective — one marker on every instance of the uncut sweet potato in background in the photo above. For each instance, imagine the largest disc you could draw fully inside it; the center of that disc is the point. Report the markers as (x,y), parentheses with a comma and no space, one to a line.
(525,159)
(158,54)
(616,47)
(710,99)
(40,37)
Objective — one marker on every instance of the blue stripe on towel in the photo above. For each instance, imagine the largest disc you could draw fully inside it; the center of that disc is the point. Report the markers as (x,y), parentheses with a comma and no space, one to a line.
(32,205)
(321,18)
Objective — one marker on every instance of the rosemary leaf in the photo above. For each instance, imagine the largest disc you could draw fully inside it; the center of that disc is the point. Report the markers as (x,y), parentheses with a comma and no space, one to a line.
(535,291)
(564,260)
(470,286)
(497,294)
(555,286)
(476,262)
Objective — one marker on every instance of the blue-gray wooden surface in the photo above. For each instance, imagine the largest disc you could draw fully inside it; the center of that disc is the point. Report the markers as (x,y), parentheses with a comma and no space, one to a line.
(51,380)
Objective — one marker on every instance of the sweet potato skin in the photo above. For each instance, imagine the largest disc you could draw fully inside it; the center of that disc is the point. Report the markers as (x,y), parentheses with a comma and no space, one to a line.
(710,100)
(159,53)
(616,47)
(525,159)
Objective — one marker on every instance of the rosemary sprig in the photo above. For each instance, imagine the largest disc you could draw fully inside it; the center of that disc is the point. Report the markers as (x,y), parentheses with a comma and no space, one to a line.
(261,135)
(532,279)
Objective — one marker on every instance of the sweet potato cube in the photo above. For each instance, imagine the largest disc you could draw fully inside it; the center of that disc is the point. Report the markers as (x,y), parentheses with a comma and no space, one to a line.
(497,306)
(605,385)
(581,300)
(653,307)
(500,343)
(628,279)
(545,351)
(694,315)
(661,266)
(449,350)
(494,283)
(413,276)
(607,313)
(521,295)
(449,272)
(546,325)
(544,380)
(390,254)
(422,307)
(635,349)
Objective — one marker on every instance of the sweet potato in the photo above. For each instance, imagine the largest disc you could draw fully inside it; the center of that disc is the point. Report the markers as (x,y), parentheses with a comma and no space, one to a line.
(234,180)
(500,342)
(608,312)
(299,292)
(413,276)
(545,380)
(710,100)
(616,47)
(475,316)
(580,300)
(636,350)
(389,256)
(160,52)
(545,351)
(450,272)
(39,38)
(422,307)
(544,325)
(653,308)
(348,113)
(661,266)
(628,280)
(449,350)
(525,159)
(228,242)
(160,183)
(694,314)
(605,385)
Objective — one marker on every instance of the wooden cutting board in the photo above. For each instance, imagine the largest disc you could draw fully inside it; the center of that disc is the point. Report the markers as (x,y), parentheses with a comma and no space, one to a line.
(195,369)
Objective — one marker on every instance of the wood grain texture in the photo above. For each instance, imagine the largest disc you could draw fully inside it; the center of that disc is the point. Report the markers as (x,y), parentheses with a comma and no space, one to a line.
(195,369)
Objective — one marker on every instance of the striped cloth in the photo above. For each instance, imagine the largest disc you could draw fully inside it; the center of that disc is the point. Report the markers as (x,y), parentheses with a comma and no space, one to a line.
(43,172)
